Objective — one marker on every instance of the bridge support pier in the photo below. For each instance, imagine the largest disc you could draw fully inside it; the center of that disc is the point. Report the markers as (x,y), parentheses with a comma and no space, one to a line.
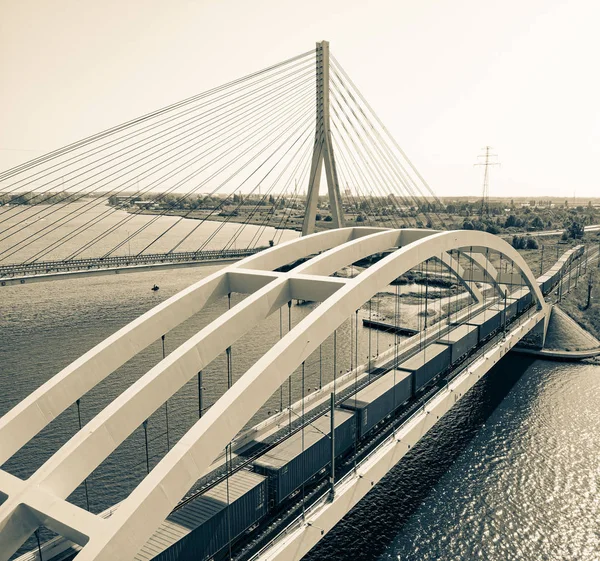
(536,337)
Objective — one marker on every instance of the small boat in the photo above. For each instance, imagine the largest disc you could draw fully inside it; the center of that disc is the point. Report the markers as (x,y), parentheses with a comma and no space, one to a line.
(154,288)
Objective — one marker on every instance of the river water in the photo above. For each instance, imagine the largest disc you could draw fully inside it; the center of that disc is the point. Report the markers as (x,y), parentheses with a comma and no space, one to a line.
(512,473)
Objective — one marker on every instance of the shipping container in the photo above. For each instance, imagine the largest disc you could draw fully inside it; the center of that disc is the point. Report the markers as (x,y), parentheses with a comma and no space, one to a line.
(204,526)
(545,282)
(375,402)
(289,464)
(555,280)
(427,364)
(461,340)
(523,297)
(508,309)
(488,321)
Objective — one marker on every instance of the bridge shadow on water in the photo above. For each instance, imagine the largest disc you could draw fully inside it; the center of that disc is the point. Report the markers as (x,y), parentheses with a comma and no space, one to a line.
(369,529)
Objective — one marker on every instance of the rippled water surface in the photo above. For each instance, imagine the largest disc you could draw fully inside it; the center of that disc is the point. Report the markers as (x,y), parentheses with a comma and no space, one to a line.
(512,473)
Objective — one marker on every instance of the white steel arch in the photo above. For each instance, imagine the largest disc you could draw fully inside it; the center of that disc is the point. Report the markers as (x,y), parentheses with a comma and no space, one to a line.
(40,500)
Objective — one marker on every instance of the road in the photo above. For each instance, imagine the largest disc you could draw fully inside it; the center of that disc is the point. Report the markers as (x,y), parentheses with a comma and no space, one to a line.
(592,228)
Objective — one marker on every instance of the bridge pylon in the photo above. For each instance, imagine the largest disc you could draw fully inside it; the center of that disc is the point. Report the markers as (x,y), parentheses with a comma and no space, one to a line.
(322,151)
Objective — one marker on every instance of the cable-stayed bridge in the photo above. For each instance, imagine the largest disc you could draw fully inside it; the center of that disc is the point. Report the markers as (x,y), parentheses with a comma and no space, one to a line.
(229,486)
(249,154)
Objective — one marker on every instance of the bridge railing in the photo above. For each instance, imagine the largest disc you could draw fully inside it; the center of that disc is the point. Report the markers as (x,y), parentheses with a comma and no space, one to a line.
(40,267)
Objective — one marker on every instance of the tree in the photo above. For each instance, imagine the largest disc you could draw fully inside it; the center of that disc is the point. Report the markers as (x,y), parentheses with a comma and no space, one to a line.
(575,230)
(468,225)
(318,217)
(328,218)
(532,243)
(360,218)
(511,221)
(537,223)
(519,242)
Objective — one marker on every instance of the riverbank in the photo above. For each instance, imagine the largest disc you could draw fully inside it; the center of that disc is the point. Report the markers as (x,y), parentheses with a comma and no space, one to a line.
(280,220)
(575,303)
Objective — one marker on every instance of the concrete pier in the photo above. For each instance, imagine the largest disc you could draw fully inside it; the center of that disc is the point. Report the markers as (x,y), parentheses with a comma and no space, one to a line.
(565,340)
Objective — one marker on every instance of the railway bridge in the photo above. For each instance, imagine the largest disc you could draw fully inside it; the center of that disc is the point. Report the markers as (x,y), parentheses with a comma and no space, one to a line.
(443,361)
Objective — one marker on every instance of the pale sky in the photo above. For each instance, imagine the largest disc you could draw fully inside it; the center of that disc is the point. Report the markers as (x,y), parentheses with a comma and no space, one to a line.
(447,77)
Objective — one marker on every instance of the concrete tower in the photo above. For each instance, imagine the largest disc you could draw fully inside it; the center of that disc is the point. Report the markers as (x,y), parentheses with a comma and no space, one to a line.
(322,151)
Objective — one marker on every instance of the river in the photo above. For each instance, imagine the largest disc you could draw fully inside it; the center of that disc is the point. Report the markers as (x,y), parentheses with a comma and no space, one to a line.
(511,473)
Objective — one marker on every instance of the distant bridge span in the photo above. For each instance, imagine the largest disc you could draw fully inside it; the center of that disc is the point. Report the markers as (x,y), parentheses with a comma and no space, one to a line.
(40,271)
(41,500)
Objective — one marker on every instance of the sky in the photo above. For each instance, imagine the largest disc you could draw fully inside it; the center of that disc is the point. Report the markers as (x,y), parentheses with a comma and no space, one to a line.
(446,77)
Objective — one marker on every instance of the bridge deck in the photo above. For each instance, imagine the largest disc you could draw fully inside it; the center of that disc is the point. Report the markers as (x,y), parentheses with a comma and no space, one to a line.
(54,270)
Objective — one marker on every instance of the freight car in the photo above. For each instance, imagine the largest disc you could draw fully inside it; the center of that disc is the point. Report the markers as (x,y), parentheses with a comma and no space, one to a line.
(461,340)
(426,364)
(300,457)
(379,399)
(546,282)
(507,308)
(204,526)
(488,322)
(524,299)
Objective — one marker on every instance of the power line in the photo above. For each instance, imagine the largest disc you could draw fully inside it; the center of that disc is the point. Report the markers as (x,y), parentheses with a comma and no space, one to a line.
(488,160)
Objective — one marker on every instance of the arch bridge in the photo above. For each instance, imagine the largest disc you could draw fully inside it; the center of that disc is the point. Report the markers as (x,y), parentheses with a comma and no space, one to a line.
(41,500)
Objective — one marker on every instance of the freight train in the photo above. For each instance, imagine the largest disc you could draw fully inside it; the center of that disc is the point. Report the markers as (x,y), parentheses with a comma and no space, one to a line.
(204,528)
(551,278)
